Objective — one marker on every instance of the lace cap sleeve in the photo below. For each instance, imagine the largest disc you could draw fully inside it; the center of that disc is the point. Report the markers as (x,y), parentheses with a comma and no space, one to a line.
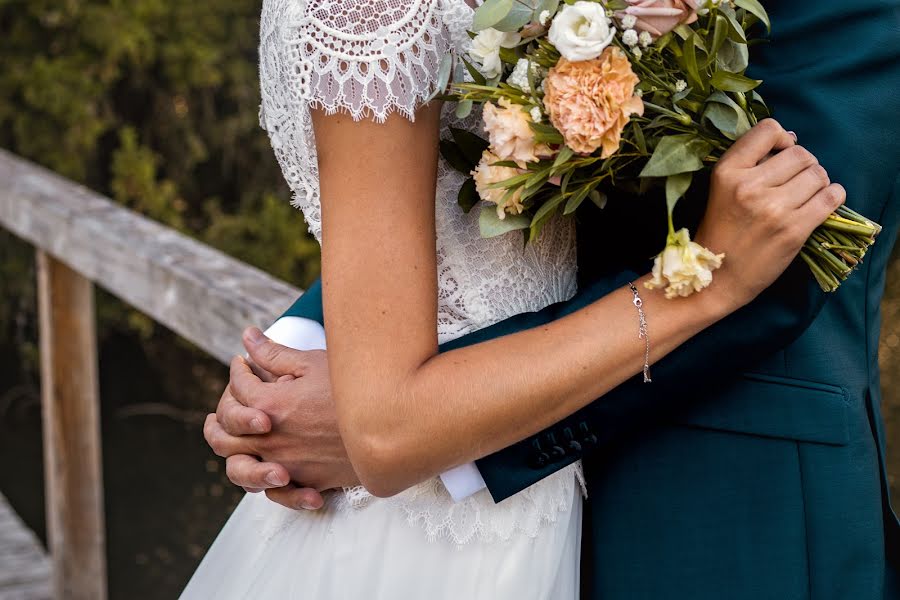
(368,58)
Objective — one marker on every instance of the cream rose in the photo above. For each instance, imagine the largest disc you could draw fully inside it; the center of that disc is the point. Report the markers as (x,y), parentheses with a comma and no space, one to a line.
(487,173)
(684,267)
(485,50)
(581,31)
(508,127)
(658,17)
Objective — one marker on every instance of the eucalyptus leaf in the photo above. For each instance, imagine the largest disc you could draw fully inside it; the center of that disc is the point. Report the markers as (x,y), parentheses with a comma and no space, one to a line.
(521,13)
(551,6)
(733,56)
(756,9)
(676,154)
(443,75)
(724,118)
(733,82)
(464,108)
(676,186)
(726,115)
(490,13)
(467,197)
(491,225)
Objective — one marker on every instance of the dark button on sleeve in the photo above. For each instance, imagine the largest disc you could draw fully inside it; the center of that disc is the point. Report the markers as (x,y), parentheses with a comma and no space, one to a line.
(557,452)
(587,437)
(573,445)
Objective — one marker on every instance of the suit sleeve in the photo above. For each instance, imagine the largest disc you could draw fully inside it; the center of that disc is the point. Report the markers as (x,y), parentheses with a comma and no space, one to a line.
(309,305)
(775,319)
(768,324)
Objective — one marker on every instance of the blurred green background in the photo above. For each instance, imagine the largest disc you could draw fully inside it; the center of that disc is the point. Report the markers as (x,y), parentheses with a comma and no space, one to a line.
(154,103)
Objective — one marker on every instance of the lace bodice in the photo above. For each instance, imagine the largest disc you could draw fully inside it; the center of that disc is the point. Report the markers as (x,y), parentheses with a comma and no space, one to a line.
(371,58)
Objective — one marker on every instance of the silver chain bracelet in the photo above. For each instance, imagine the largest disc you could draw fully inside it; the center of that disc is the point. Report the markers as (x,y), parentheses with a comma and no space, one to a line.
(642,331)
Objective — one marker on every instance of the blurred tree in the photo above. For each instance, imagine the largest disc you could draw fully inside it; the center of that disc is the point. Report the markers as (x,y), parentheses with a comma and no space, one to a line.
(154,103)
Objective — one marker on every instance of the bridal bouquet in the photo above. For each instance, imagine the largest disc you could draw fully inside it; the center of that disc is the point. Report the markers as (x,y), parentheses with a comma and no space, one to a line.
(594,95)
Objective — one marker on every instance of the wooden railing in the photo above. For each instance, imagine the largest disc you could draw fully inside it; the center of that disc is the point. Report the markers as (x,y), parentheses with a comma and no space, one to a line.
(82,239)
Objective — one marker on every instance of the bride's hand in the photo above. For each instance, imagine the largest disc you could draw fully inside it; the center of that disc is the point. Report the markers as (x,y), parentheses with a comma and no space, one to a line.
(767,196)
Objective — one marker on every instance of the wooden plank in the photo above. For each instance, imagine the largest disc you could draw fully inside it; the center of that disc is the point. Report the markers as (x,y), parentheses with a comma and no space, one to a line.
(24,566)
(201,293)
(71,407)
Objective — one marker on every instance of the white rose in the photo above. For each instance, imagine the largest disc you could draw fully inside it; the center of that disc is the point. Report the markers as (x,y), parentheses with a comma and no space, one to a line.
(581,31)
(485,50)
(684,267)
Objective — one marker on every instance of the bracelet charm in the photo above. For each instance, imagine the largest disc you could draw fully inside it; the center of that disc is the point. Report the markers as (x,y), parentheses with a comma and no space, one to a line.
(642,329)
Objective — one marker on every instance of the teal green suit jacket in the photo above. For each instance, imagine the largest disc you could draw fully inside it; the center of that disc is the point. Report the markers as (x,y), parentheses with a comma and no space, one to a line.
(753,466)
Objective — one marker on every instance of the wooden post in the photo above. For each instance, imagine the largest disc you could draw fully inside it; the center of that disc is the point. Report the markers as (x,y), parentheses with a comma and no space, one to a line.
(69,390)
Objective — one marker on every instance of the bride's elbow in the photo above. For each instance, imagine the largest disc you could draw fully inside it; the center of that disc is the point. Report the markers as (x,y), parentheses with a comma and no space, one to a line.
(378,464)
(381,448)
(380,458)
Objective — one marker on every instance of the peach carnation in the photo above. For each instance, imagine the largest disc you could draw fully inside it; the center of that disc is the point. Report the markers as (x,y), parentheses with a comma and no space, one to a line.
(591,101)
(487,173)
(508,127)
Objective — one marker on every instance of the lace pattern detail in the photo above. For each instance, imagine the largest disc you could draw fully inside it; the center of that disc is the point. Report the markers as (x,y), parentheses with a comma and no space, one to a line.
(430,506)
(370,58)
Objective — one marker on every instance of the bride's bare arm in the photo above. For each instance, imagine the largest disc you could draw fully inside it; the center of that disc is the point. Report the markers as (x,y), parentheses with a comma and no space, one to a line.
(406,412)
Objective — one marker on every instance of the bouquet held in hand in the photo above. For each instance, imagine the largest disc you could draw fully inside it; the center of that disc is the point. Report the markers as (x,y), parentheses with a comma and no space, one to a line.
(584,97)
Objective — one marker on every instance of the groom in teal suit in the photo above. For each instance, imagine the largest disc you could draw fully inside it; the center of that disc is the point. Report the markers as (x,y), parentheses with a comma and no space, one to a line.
(753,466)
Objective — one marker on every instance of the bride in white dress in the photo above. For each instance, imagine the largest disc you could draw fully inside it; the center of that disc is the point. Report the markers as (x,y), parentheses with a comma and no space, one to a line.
(377,57)
(378,60)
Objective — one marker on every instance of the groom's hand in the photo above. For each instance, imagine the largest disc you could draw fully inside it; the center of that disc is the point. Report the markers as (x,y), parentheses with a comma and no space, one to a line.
(289,423)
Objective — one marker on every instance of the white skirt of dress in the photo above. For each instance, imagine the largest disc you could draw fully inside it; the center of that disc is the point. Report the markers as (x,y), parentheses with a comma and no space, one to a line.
(268,552)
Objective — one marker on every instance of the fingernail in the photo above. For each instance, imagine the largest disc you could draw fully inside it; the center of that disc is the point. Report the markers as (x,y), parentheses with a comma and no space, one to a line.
(273,479)
(793,135)
(308,506)
(255,335)
(257,425)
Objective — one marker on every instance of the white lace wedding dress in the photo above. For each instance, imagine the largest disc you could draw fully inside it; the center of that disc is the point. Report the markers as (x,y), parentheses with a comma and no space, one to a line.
(370,58)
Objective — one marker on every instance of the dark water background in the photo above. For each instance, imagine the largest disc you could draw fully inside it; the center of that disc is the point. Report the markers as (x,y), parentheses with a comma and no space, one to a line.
(166,493)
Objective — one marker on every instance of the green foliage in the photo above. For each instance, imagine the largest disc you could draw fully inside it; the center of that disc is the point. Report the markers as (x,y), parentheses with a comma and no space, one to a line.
(155,104)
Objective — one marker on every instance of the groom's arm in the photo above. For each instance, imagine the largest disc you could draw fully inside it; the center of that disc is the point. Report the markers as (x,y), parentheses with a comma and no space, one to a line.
(772,321)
